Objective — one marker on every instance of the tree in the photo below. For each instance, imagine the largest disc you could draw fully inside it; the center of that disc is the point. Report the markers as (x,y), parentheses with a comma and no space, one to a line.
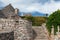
(46,15)
(53,19)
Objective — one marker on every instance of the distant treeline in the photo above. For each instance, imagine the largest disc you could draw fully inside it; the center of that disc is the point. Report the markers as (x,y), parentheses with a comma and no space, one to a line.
(36,21)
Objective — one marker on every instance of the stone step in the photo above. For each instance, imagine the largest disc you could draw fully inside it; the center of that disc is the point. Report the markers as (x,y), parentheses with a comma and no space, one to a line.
(41,33)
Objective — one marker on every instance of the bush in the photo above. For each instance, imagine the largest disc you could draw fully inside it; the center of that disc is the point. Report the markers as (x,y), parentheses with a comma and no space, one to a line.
(53,19)
(36,21)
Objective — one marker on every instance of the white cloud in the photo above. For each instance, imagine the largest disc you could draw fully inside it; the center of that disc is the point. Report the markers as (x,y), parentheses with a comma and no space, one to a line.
(28,5)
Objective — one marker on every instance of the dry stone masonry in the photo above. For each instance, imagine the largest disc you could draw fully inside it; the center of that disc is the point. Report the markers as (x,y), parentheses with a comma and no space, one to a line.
(12,27)
(7,36)
(21,28)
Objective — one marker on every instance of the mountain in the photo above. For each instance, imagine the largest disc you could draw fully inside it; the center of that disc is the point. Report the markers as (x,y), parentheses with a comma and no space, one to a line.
(35,13)
(1,8)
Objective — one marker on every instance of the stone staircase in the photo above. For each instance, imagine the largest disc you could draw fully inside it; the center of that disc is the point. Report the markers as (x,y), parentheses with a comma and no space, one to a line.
(41,33)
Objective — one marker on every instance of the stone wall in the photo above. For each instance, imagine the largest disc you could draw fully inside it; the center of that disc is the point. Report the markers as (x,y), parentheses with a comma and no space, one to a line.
(7,36)
(21,28)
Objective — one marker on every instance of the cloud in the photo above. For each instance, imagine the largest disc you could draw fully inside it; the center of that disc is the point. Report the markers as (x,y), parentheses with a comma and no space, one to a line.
(1,4)
(57,0)
(45,6)
(42,1)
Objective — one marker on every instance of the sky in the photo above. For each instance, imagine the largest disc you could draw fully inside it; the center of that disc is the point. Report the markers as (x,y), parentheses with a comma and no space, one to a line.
(44,6)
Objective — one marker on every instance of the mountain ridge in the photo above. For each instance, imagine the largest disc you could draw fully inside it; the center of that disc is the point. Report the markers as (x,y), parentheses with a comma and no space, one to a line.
(34,13)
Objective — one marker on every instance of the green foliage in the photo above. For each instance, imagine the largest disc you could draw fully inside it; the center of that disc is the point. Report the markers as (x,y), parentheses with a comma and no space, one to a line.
(29,18)
(53,19)
(36,21)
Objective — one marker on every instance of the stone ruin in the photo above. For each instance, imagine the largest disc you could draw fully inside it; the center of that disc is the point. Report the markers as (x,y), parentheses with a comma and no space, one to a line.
(12,27)
(21,28)
(57,36)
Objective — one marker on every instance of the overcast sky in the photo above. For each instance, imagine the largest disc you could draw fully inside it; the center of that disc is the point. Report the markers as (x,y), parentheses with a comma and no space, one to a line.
(44,6)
